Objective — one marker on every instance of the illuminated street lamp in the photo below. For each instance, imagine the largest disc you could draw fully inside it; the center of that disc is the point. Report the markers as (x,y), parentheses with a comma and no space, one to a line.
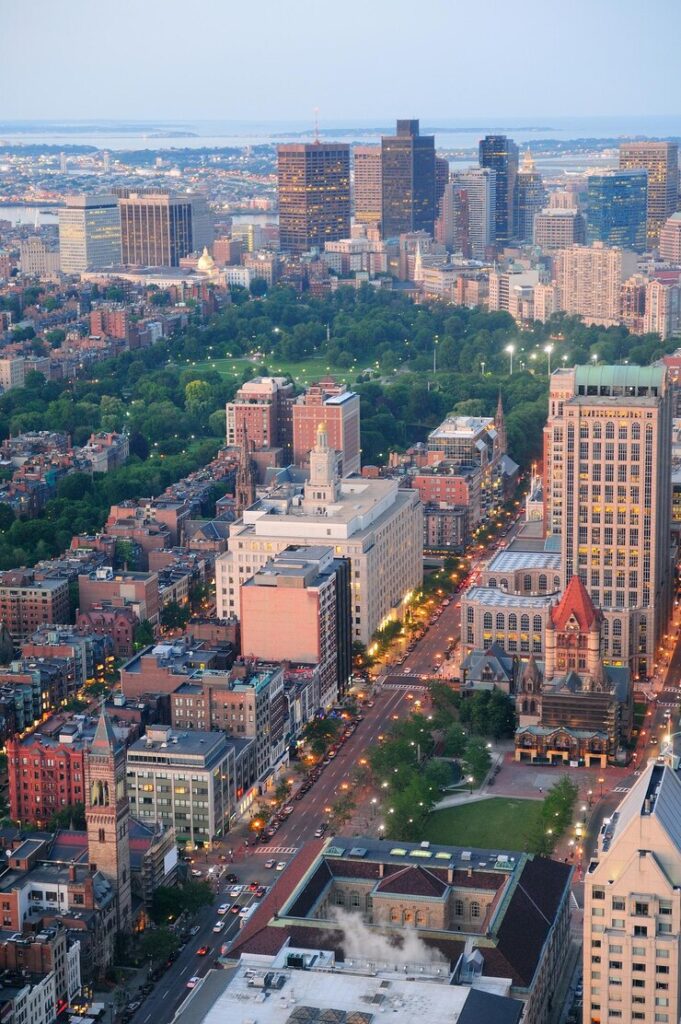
(548,349)
(470,784)
(510,349)
(600,783)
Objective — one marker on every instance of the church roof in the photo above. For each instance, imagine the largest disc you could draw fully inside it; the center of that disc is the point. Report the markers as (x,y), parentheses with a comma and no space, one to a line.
(105,738)
(575,602)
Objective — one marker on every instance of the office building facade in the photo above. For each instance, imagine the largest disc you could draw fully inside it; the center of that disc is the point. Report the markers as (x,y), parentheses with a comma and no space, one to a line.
(408,181)
(500,154)
(156,229)
(261,411)
(529,198)
(590,279)
(670,239)
(89,233)
(608,490)
(367,184)
(617,208)
(661,161)
(337,408)
(480,187)
(632,907)
(314,195)
(558,228)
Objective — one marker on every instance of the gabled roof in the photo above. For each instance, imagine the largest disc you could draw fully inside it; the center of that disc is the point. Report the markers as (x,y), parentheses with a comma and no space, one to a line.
(492,1009)
(413,881)
(575,602)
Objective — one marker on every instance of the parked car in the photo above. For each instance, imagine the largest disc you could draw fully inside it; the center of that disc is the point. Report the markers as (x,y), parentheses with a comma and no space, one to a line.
(219,925)
(222,909)
(281,865)
(270,863)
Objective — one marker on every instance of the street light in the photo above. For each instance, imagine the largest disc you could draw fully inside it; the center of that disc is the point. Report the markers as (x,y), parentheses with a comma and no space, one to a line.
(600,783)
(510,349)
(470,784)
(482,369)
(548,349)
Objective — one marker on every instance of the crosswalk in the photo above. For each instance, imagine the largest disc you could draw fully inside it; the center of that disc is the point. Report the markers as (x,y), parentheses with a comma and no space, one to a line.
(409,687)
(620,789)
(275,849)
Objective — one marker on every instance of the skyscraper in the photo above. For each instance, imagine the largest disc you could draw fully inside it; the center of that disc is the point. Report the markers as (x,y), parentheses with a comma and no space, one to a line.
(608,493)
(529,198)
(451,228)
(617,208)
(314,194)
(500,154)
(89,233)
(479,184)
(632,906)
(441,179)
(367,189)
(661,161)
(408,184)
(156,229)
(590,280)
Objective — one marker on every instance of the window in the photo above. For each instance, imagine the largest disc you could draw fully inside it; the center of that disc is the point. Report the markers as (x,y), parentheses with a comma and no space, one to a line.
(640,909)
(617,904)
(475,909)
(615,965)
(598,894)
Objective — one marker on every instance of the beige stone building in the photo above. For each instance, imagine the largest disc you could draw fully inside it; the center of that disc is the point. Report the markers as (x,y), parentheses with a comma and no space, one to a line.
(589,280)
(661,161)
(607,452)
(670,239)
(373,523)
(632,907)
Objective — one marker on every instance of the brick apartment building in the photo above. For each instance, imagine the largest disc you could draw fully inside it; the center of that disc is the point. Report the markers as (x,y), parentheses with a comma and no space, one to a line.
(27,602)
(135,590)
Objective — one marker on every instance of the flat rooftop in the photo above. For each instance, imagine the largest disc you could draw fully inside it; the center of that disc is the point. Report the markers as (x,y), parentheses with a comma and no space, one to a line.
(175,743)
(492,597)
(508,561)
(461,427)
(323,994)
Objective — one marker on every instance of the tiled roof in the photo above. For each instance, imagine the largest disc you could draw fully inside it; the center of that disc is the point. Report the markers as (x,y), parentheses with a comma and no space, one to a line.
(575,601)
(530,915)
(413,881)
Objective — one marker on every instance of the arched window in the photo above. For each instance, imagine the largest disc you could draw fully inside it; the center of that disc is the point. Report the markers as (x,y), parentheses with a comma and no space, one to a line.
(536,623)
(543,584)
(525,623)
(339,898)
(354,899)
(635,431)
(610,430)
(527,583)
(503,584)
(394,914)
(458,908)
(617,627)
(500,620)
(487,620)
(556,582)
(524,707)
(533,707)
(597,430)
(421,918)
(407,917)
(492,582)
(475,909)
(513,621)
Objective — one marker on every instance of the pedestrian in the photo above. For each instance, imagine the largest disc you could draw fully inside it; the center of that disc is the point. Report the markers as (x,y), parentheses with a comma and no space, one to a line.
(541,790)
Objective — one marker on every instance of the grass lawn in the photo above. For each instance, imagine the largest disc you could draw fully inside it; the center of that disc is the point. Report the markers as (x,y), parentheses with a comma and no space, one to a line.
(500,822)
(305,371)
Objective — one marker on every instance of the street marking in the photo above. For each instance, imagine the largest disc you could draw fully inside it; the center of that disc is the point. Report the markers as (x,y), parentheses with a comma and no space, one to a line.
(404,686)
(276,849)
(620,789)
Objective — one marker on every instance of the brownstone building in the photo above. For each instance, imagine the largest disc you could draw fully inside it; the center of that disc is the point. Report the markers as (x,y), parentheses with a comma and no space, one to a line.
(26,602)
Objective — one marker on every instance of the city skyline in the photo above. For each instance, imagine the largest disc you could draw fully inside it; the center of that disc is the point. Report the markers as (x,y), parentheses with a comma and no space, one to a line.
(618,81)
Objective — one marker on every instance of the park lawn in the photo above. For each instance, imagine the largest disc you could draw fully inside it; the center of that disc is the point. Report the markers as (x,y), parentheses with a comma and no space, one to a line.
(499,823)
(305,370)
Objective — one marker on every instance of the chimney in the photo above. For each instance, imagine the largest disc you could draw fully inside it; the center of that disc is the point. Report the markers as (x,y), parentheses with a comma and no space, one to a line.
(72,872)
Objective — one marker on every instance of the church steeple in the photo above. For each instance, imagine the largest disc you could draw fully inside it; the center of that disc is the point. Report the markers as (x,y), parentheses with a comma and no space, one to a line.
(107,816)
(500,427)
(245,478)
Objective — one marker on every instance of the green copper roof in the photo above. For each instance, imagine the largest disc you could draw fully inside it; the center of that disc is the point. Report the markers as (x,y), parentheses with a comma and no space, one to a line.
(619,376)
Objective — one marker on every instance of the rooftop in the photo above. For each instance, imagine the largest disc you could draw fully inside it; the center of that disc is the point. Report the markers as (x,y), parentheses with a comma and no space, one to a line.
(492,597)
(465,427)
(175,745)
(625,377)
(508,561)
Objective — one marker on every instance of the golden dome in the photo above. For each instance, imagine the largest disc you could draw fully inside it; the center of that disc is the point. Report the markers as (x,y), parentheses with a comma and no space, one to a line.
(206,263)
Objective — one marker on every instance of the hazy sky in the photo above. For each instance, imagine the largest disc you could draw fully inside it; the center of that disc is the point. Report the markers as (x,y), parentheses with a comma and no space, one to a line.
(278,59)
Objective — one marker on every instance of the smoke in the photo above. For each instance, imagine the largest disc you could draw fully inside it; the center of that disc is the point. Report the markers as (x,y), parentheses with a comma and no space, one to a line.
(363,942)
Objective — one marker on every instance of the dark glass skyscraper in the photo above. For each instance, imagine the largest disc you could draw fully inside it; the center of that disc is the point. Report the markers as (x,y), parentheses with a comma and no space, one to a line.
(409,189)
(617,211)
(314,194)
(529,199)
(500,154)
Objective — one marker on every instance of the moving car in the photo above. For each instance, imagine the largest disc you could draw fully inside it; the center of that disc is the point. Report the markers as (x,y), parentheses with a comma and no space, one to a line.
(222,909)
(281,865)
(219,925)
(321,830)
(193,982)
(270,863)
(203,951)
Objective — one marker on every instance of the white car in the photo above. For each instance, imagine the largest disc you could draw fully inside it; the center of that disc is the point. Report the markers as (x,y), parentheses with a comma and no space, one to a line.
(196,873)
(193,982)
(235,891)
(218,926)
(222,909)
(281,865)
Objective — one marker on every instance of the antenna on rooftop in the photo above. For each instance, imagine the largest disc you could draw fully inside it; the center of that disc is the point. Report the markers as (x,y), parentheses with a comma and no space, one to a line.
(315,111)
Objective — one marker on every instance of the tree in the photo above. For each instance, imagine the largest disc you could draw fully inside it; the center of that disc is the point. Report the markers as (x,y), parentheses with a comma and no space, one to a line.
(282,791)
(168,903)
(454,743)
(158,944)
(320,733)
(341,811)
(6,516)
(174,615)
(258,287)
(477,759)
(74,486)
(144,634)
(69,817)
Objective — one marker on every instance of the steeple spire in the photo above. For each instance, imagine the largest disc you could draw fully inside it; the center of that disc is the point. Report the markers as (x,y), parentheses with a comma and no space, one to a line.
(245,480)
(500,426)
(104,740)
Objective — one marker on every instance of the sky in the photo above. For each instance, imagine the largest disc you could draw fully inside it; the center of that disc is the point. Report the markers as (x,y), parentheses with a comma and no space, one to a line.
(356,59)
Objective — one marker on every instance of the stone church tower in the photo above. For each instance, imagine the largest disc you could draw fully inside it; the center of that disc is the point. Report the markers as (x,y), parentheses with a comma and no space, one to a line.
(107,814)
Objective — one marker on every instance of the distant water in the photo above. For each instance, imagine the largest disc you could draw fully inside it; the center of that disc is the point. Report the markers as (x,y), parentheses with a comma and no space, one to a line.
(449,133)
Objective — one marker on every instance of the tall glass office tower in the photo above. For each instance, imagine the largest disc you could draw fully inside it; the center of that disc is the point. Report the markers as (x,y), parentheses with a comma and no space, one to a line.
(617,210)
